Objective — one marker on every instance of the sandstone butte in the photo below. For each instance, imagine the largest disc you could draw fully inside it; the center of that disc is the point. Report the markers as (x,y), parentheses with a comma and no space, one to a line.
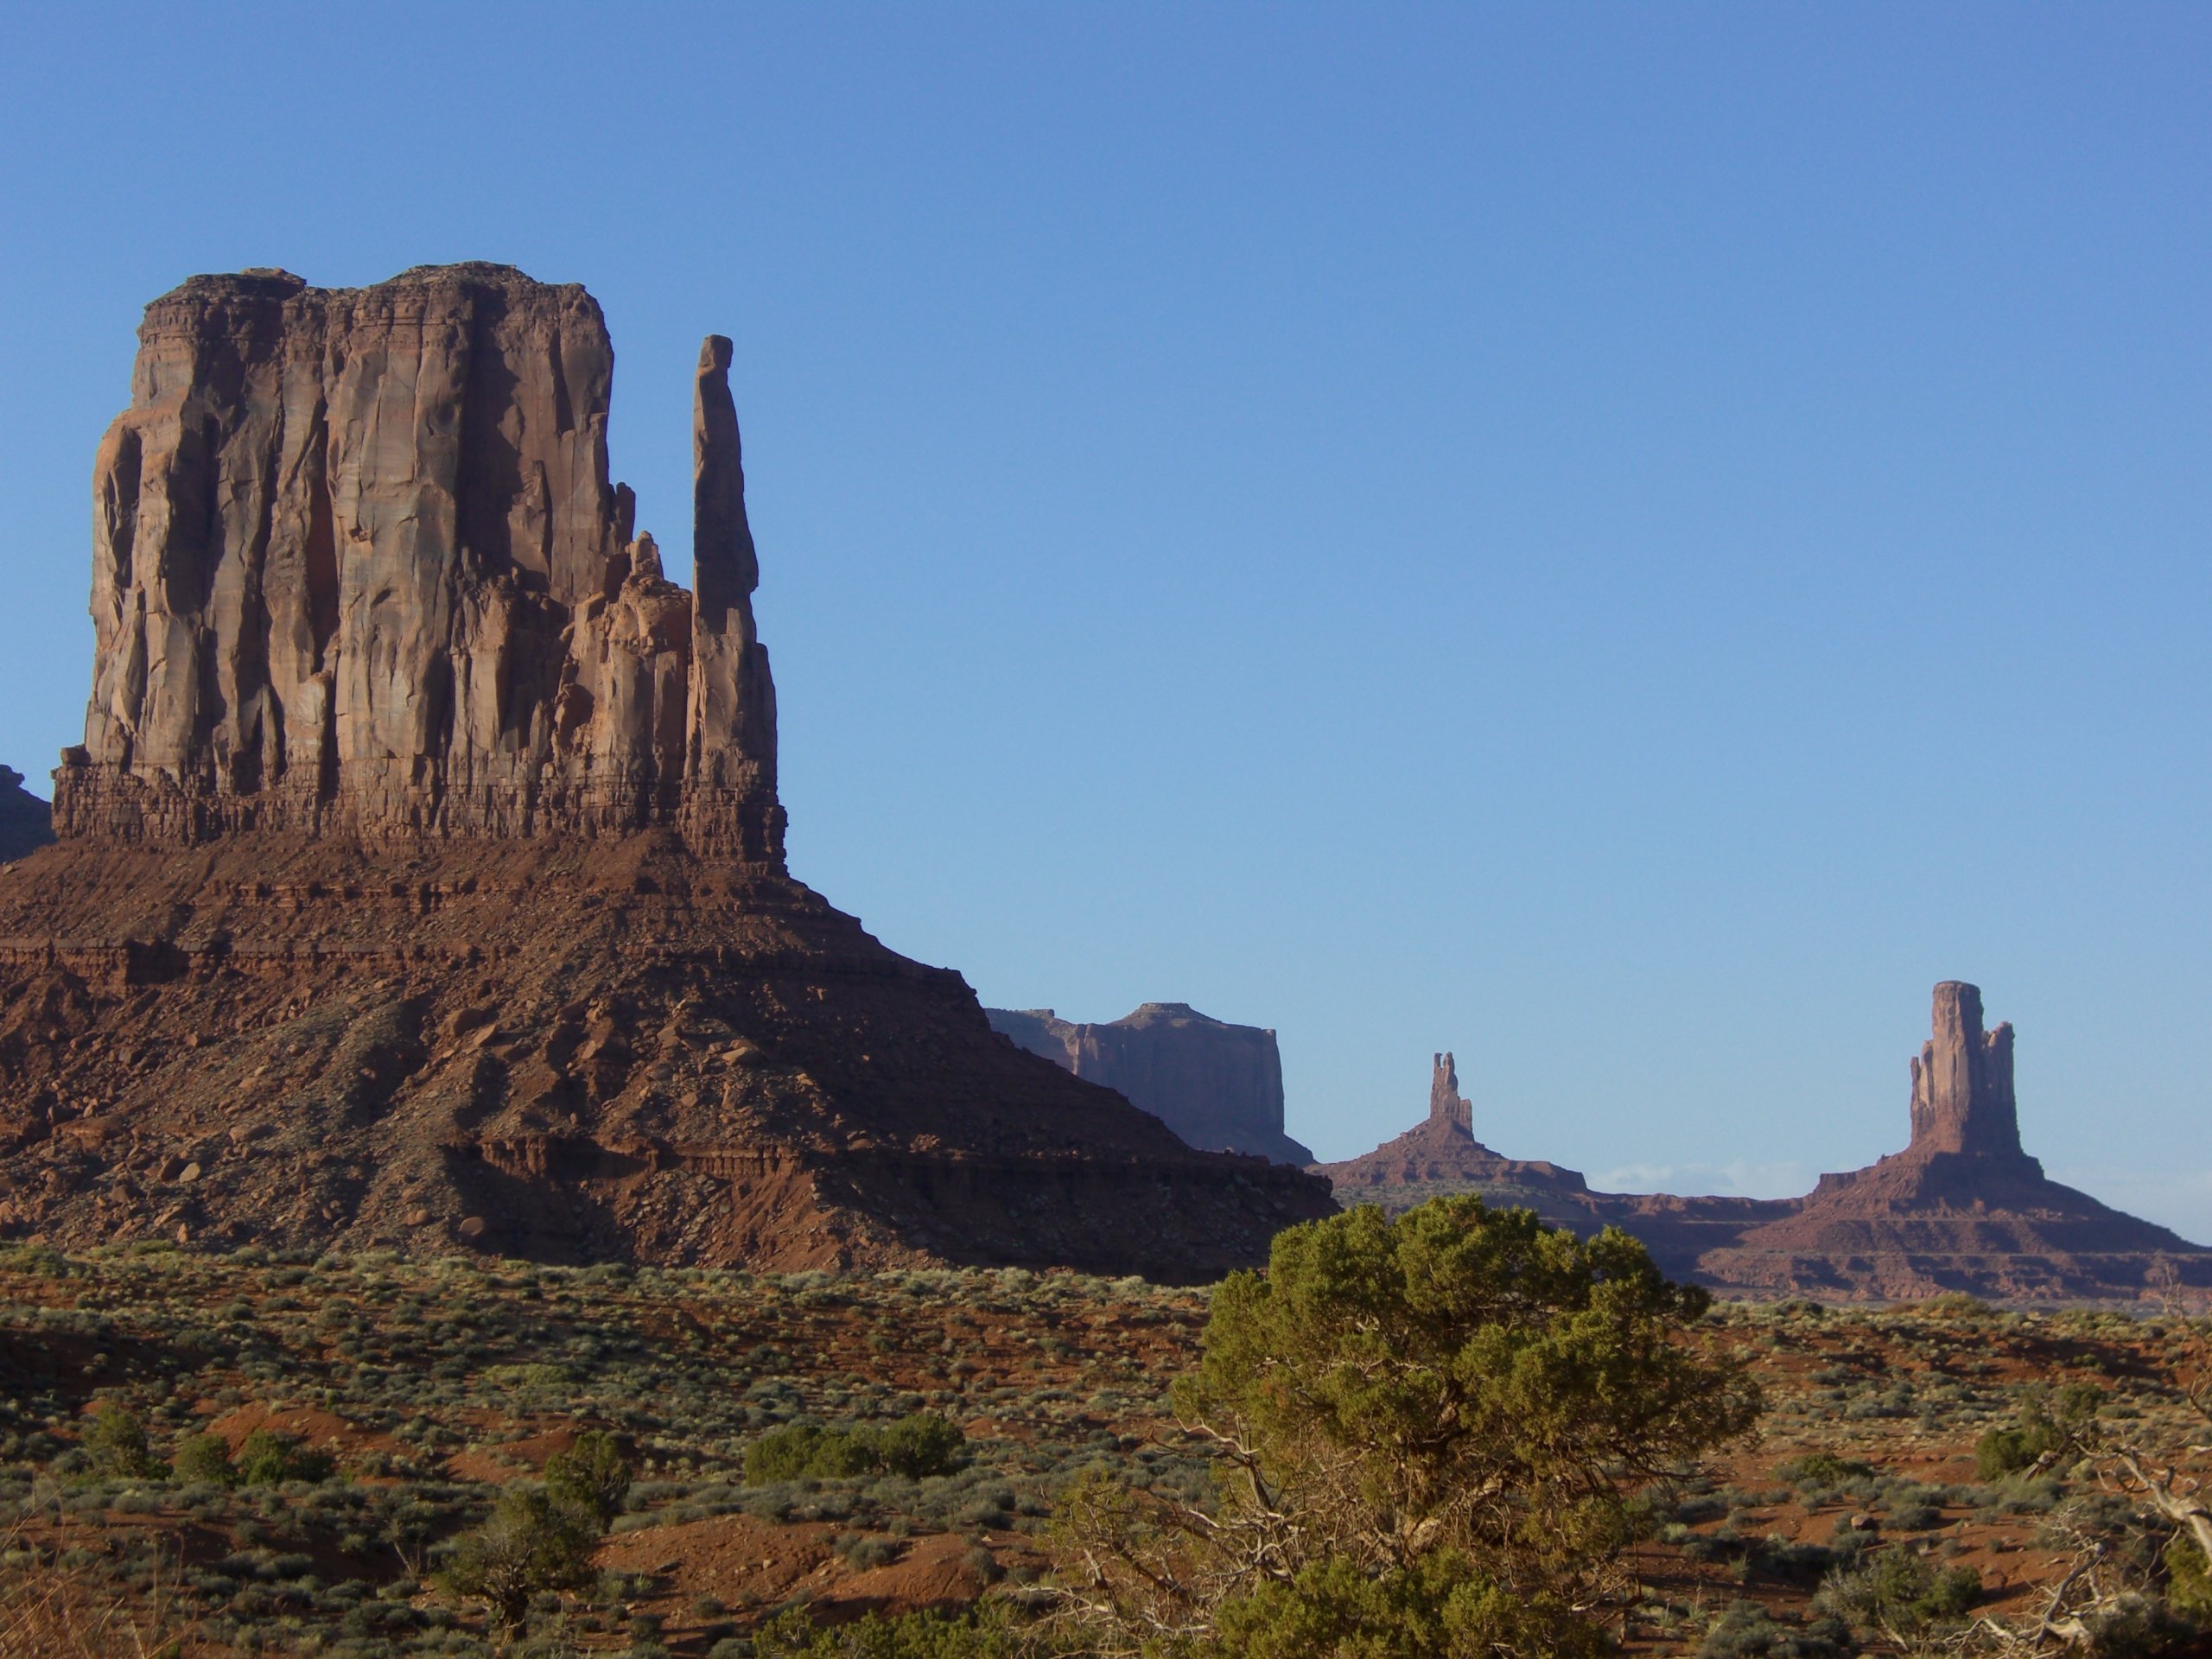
(1963,1208)
(421,879)
(1218,1086)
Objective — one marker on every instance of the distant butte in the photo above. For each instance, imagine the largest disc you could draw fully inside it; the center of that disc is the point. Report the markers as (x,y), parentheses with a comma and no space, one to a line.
(1963,1207)
(422,877)
(1218,1086)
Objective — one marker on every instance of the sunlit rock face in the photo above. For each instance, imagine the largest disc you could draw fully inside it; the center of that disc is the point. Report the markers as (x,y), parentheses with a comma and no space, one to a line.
(359,567)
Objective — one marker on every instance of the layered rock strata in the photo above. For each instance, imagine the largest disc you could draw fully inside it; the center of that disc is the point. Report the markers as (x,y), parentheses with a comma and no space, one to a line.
(422,882)
(26,822)
(1217,1085)
(1962,1208)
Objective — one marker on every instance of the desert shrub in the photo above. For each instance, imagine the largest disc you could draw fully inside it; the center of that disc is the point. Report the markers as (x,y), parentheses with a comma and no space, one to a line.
(1747,1629)
(1897,1596)
(1441,1604)
(203,1461)
(1406,1414)
(590,1475)
(115,1441)
(2189,1581)
(2046,1425)
(267,1458)
(911,1447)
(532,1542)
(989,1630)
(2136,1626)
(1823,1469)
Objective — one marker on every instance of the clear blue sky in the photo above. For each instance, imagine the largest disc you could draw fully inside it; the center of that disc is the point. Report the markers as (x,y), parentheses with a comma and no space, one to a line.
(1624,541)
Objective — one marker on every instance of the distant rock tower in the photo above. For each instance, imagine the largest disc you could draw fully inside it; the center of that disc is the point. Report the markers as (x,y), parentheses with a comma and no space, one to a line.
(1962,1082)
(1445,1104)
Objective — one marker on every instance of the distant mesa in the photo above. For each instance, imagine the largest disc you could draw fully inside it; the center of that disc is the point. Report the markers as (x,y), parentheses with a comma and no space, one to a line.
(1962,1208)
(421,880)
(26,822)
(1217,1085)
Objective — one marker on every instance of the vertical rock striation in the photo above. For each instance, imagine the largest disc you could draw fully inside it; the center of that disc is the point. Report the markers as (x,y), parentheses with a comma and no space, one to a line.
(729,769)
(1446,1106)
(359,567)
(1963,1081)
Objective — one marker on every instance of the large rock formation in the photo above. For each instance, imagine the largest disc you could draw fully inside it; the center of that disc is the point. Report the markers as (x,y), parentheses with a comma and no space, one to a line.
(358,568)
(1218,1086)
(422,879)
(1962,1208)
(25,821)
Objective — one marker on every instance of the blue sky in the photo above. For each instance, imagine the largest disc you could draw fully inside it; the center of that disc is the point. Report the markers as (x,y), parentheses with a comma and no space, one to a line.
(1626,542)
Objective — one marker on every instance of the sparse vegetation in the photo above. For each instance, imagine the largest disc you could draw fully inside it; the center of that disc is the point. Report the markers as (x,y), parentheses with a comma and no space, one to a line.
(435,1390)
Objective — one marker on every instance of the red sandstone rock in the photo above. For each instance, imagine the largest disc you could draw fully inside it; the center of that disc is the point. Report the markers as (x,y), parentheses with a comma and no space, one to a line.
(1962,1208)
(425,841)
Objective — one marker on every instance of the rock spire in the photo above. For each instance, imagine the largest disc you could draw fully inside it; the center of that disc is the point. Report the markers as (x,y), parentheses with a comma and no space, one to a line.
(1963,1081)
(359,567)
(1446,1103)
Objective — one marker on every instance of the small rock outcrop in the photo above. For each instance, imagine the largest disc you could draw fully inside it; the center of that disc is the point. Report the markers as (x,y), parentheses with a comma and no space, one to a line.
(421,880)
(1218,1086)
(1963,1207)
(26,822)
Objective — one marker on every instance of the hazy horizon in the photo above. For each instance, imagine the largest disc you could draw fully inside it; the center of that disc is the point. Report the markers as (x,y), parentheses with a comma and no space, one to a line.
(1626,544)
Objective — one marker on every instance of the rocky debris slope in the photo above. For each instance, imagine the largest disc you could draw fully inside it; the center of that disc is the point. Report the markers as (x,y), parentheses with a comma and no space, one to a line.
(1963,1208)
(25,821)
(422,882)
(1217,1085)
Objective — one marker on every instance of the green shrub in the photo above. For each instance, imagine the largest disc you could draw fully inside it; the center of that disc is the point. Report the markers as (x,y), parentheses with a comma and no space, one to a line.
(1895,1594)
(1747,1629)
(203,1461)
(267,1458)
(2047,1424)
(532,1542)
(591,1476)
(1440,1605)
(989,1630)
(116,1442)
(2189,1581)
(1823,1469)
(912,1447)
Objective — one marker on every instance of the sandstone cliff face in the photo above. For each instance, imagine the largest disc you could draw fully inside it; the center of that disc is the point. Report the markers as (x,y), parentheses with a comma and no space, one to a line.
(1962,1080)
(26,822)
(422,882)
(1217,1085)
(359,567)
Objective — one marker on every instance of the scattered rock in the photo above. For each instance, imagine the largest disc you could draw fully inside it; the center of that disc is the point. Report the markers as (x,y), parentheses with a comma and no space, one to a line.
(472,1229)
